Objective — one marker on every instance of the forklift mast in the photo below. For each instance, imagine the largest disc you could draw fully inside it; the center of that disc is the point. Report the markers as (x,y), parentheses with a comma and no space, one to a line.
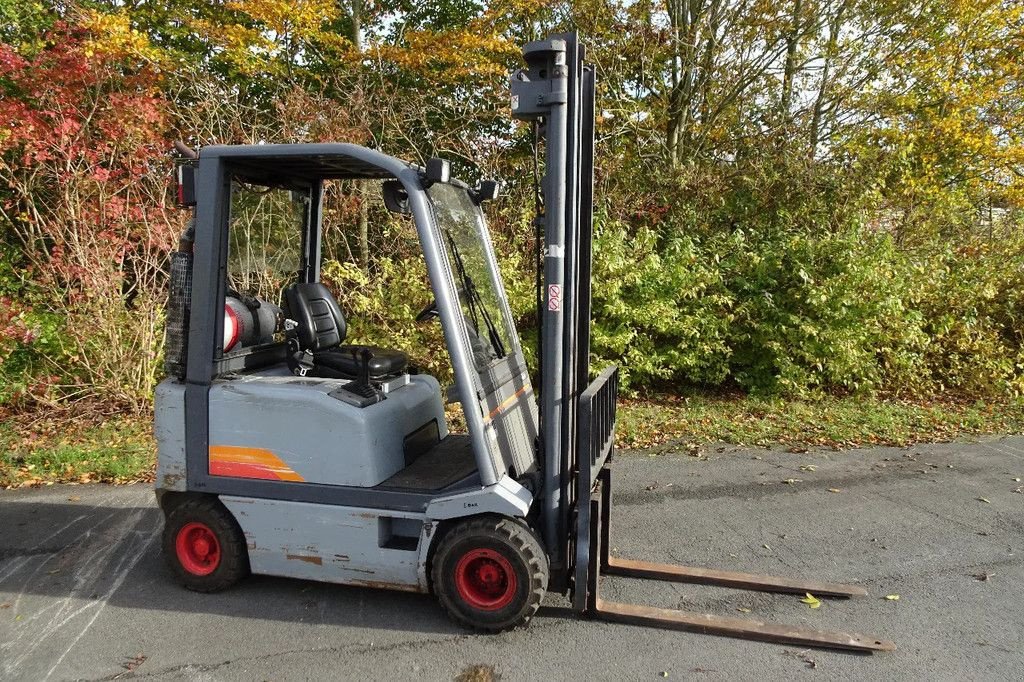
(556,92)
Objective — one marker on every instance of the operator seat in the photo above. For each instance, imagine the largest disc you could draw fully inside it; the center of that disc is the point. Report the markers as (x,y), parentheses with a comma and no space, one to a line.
(321,330)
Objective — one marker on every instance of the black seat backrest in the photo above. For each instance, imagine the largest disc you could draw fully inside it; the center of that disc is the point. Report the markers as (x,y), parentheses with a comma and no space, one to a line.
(321,324)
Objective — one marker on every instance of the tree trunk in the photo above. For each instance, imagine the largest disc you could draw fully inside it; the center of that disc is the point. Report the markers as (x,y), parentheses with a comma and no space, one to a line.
(684,18)
(792,43)
(820,101)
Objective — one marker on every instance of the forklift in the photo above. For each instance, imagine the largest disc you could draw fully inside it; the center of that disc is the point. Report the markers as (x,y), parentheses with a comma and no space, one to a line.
(285,451)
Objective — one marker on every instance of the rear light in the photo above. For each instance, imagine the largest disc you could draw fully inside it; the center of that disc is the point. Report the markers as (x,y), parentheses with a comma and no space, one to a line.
(185,185)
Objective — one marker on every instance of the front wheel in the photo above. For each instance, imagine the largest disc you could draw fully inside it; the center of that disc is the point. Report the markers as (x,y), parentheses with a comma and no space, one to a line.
(490,573)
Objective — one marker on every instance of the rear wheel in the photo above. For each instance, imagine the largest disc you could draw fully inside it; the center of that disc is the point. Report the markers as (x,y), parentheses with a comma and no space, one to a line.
(204,546)
(490,573)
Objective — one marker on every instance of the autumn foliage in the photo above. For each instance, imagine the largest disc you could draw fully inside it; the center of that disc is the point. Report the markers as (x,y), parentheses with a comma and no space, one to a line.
(84,165)
(792,198)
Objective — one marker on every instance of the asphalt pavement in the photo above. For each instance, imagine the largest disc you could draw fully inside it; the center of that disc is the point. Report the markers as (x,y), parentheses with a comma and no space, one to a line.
(84,593)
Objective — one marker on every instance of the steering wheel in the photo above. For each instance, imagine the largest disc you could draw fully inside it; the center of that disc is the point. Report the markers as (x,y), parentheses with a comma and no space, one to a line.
(429,312)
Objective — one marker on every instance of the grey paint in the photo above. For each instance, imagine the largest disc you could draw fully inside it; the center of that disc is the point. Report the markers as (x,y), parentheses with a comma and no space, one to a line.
(543,91)
(205,330)
(506,497)
(169,432)
(510,420)
(325,542)
(323,439)
(205,324)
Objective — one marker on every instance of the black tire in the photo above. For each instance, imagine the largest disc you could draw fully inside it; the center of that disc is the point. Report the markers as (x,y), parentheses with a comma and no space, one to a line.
(204,523)
(490,573)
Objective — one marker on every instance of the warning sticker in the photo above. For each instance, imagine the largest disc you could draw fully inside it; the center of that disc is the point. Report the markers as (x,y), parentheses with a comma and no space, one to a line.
(554,297)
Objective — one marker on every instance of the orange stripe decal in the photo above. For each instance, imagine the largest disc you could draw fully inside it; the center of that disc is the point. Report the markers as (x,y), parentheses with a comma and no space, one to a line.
(244,462)
(506,403)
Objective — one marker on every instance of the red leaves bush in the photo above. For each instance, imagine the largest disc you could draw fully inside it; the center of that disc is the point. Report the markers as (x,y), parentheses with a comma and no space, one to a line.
(84,168)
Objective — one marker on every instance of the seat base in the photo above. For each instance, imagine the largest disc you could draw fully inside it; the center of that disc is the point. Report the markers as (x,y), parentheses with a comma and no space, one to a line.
(344,362)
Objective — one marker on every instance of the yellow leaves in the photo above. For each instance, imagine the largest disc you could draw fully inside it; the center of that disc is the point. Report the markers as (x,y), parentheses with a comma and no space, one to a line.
(811,601)
(114,36)
(255,33)
(302,19)
(452,55)
(892,597)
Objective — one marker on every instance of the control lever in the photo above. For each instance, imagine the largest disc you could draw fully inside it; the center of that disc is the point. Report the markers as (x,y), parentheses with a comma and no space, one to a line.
(362,386)
(364,368)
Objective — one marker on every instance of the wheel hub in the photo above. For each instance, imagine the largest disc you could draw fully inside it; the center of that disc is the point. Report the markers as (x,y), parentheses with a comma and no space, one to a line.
(197,548)
(485,579)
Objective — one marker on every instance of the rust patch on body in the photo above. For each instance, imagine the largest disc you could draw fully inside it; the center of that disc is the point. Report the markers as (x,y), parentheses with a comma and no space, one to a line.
(383,585)
(171,481)
(308,559)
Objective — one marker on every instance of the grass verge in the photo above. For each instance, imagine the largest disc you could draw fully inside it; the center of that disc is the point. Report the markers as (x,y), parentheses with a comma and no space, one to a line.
(91,448)
(830,422)
(75,449)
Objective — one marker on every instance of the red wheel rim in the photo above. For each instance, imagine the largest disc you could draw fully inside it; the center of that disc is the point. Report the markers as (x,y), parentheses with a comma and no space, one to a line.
(485,579)
(198,549)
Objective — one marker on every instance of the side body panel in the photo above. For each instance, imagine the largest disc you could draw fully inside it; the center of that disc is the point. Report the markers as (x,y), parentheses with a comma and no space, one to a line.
(169,431)
(292,429)
(329,543)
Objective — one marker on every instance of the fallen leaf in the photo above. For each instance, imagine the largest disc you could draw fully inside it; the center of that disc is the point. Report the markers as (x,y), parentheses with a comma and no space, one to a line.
(477,673)
(892,597)
(5,605)
(743,610)
(833,490)
(791,481)
(74,498)
(983,577)
(811,601)
(984,499)
(808,467)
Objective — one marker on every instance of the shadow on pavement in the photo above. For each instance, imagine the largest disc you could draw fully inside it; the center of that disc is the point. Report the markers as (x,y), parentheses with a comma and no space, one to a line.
(109,550)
